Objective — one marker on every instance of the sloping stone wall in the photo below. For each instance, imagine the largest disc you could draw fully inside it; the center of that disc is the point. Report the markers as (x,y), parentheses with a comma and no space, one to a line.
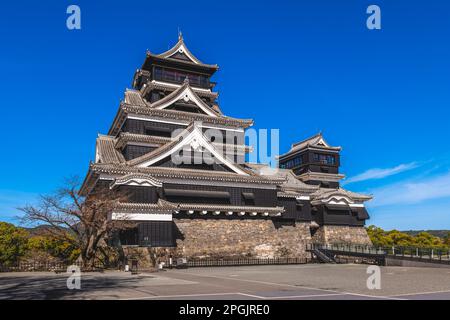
(341,234)
(241,238)
(245,238)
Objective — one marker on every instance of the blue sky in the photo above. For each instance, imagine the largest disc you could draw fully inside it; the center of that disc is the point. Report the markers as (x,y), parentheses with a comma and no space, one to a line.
(300,66)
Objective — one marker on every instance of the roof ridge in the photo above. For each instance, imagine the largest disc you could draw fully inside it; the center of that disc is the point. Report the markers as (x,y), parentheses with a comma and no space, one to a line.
(178,139)
(307,139)
(174,94)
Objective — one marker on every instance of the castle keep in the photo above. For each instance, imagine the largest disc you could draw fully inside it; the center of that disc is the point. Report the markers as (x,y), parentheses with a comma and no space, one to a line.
(215,204)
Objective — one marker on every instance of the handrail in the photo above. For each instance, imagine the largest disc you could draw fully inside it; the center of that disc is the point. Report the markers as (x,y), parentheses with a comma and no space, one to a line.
(413,252)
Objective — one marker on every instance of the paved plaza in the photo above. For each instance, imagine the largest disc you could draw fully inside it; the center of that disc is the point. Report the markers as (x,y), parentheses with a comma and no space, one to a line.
(298,282)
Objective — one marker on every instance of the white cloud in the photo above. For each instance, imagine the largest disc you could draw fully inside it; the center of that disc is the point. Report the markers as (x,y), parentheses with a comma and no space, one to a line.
(412,192)
(381,173)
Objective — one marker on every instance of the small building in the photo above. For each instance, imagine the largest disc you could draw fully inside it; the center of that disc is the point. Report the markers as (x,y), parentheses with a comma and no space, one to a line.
(182,162)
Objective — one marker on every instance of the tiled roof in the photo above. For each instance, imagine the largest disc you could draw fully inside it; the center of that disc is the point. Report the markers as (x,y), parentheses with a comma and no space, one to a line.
(324,193)
(177,173)
(164,205)
(181,47)
(188,116)
(291,182)
(152,84)
(125,137)
(316,141)
(178,95)
(134,97)
(106,152)
(195,133)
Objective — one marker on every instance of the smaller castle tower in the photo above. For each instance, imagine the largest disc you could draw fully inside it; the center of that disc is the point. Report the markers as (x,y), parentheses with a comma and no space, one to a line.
(314,162)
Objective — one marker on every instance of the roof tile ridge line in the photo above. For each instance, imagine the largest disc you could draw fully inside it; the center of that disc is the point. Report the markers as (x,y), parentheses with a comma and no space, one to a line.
(190,114)
(307,139)
(180,43)
(137,174)
(174,93)
(146,103)
(194,126)
(218,204)
(191,172)
(197,127)
(151,82)
(102,135)
(356,193)
(145,138)
(162,148)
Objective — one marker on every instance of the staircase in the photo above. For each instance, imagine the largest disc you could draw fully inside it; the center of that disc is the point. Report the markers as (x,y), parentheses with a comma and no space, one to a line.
(322,256)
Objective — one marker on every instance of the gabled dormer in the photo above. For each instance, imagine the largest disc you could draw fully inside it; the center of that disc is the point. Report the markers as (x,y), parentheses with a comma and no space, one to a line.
(187,100)
(189,149)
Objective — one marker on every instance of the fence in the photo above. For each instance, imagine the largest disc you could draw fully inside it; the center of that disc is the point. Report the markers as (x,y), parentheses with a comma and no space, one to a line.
(416,253)
(362,249)
(244,262)
(42,266)
(419,253)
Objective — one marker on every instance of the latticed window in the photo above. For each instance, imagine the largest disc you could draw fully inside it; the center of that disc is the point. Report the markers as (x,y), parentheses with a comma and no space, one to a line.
(156,234)
(324,158)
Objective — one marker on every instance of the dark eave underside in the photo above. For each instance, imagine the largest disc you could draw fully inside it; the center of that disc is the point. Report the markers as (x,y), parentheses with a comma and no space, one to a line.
(151,59)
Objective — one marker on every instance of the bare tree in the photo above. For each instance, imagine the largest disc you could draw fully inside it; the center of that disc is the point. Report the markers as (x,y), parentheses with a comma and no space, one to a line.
(84,221)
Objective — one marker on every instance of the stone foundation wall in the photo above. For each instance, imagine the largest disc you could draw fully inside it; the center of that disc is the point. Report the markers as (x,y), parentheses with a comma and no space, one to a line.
(246,238)
(341,234)
(147,257)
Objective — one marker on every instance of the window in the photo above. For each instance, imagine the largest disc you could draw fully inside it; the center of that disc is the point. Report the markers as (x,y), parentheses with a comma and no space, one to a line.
(324,158)
(156,234)
(179,76)
(295,162)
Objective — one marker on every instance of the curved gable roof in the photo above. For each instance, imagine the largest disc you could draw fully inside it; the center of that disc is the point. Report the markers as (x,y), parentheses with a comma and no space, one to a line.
(181,48)
(192,136)
(186,93)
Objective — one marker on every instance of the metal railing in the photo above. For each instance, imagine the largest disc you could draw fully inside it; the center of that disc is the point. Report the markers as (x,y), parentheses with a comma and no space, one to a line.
(349,248)
(419,253)
(422,253)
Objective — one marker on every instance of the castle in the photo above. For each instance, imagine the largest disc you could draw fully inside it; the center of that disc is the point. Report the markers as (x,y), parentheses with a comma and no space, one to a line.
(212,203)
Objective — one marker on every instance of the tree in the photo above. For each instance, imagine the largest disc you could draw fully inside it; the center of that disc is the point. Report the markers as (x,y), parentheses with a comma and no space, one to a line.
(81,221)
(382,238)
(446,239)
(13,243)
(42,247)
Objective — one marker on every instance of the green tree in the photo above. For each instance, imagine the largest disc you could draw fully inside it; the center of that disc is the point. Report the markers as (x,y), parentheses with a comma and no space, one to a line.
(446,240)
(13,243)
(59,248)
(379,238)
